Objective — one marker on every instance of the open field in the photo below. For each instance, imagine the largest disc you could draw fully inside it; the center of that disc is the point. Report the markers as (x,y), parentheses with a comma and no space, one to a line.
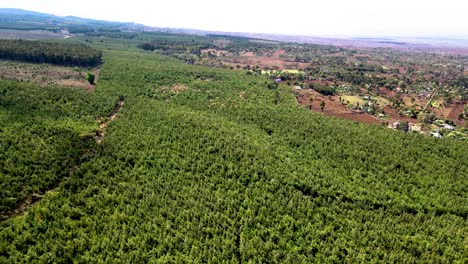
(29,34)
(263,62)
(45,74)
(276,72)
(382,101)
(334,108)
(353,99)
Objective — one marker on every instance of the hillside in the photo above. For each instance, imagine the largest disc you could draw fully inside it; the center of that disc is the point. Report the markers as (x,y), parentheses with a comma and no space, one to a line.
(29,20)
(179,156)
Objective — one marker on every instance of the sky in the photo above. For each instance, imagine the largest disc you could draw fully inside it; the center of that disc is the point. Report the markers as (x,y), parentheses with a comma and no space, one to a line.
(328,18)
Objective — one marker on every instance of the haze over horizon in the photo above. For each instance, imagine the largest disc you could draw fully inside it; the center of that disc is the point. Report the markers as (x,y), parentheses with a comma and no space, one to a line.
(335,18)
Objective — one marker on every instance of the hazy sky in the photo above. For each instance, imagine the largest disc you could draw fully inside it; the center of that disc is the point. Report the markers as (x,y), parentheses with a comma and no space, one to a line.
(429,18)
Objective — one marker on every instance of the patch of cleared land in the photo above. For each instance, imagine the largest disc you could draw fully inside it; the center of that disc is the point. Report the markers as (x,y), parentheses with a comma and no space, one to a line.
(46,74)
(29,34)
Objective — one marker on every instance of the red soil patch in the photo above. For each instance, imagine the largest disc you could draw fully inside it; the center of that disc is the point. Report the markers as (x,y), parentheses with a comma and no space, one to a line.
(333,107)
(278,53)
(451,112)
(263,62)
(386,92)
(266,60)
(248,54)
(455,109)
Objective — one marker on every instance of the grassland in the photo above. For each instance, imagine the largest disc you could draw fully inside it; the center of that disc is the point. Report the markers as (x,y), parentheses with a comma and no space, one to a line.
(353,99)
(29,34)
(47,74)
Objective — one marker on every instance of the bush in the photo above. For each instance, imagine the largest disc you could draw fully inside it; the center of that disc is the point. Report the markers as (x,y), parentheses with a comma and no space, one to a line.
(90,77)
(325,89)
(53,53)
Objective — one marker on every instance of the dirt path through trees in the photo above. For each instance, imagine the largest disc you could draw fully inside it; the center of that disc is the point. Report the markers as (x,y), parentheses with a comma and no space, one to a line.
(29,201)
(105,122)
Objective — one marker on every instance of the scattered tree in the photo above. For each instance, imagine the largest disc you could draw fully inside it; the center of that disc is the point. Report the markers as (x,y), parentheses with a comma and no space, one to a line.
(90,77)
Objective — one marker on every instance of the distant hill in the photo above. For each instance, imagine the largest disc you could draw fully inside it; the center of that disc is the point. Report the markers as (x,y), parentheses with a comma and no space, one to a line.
(20,19)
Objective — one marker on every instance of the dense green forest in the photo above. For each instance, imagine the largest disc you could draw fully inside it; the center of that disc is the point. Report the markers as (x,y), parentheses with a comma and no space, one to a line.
(45,132)
(54,53)
(214,165)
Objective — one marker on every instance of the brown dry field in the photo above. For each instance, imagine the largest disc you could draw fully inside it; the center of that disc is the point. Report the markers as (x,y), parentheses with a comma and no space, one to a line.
(451,112)
(45,74)
(264,61)
(29,34)
(333,107)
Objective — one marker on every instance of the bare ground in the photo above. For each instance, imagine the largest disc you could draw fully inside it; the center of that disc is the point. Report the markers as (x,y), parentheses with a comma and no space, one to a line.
(105,122)
(334,108)
(46,74)
(22,207)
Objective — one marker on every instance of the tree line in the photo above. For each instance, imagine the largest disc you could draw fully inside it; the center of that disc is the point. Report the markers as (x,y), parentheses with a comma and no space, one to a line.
(53,53)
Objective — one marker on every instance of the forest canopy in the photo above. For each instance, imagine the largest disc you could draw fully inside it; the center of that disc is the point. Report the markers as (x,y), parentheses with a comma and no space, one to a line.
(53,53)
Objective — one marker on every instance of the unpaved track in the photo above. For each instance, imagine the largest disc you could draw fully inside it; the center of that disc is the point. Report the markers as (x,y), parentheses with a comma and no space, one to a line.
(103,126)
(29,201)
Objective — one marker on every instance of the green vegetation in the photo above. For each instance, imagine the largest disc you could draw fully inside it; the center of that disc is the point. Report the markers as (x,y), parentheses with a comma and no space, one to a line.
(213,165)
(323,89)
(90,77)
(54,53)
(44,133)
(403,126)
(229,170)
